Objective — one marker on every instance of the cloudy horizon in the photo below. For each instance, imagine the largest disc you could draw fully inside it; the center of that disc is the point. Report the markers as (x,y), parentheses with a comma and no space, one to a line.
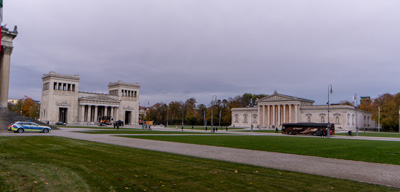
(177,49)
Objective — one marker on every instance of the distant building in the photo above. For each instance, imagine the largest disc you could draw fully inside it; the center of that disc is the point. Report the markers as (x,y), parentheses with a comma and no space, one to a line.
(276,109)
(63,102)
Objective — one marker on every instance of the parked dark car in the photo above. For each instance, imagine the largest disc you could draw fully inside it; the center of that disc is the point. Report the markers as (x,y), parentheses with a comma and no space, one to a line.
(61,123)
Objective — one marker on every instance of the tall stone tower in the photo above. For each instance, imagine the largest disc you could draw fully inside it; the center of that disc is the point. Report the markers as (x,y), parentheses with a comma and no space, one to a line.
(7,38)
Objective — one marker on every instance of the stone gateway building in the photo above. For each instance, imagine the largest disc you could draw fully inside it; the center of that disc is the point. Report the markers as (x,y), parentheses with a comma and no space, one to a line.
(63,102)
(276,109)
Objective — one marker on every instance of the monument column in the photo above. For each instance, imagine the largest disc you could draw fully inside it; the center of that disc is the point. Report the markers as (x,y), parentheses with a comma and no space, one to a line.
(263,117)
(296,113)
(5,75)
(112,112)
(273,115)
(279,115)
(290,113)
(82,114)
(7,38)
(258,114)
(284,113)
(89,119)
(96,108)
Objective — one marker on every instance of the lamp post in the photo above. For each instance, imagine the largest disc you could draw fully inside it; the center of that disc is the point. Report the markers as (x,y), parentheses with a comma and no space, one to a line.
(167,117)
(212,112)
(183,110)
(329,124)
(220,119)
(355,111)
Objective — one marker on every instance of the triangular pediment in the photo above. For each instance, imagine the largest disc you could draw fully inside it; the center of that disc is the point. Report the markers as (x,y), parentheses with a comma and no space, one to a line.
(280,97)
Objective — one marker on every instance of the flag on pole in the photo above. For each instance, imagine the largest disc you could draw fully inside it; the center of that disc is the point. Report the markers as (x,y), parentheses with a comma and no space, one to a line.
(379,110)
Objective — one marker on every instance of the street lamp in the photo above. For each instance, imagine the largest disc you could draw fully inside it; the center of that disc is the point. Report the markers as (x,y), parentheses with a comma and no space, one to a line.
(182,116)
(167,117)
(355,110)
(329,124)
(212,112)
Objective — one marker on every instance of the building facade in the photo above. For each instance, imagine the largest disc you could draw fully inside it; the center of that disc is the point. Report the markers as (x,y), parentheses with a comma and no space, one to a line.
(276,109)
(63,102)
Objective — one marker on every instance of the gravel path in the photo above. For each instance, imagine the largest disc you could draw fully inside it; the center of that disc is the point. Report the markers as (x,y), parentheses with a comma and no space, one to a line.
(382,174)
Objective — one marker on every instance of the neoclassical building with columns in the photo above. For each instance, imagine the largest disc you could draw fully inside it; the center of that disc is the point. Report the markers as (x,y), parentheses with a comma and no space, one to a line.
(276,109)
(63,102)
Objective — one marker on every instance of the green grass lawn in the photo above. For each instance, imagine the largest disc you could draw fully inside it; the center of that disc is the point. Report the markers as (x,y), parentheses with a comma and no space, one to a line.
(261,131)
(64,164)
(139,131)
(91,127)
(360,150)
(197,127)
(374,134)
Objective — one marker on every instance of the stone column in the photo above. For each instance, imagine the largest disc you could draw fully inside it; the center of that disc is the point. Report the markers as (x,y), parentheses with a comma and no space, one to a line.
(290,113)
(263,117)
(296,113)
(284,113)
(82,114)
(112,113)
(258,114)
(89,113)
(279,115)
(5,75)
(269,115)
(95,113)
(273,115)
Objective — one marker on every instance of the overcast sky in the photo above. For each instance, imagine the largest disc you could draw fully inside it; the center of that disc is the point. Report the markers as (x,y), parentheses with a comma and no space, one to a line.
(177,49)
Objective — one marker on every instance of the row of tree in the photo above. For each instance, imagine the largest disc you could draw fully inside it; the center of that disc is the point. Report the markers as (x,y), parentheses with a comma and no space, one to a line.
(217,112)
(385,109)
(26,107)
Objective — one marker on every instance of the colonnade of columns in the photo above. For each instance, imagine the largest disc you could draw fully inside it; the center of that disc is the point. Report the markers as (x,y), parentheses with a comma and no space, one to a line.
(276,115)
(90,113)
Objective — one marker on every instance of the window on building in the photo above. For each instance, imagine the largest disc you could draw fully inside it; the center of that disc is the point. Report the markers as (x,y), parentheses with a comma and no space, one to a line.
(368,120)
(45,86)
(352,119)
(365,120)
(236,118)
(309,119)
(348,119)
(254,118)
(245,118)
(337,120)
(322,119)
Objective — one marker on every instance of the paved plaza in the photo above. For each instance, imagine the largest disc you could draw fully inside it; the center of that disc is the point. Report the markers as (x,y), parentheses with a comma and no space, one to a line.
(382,174)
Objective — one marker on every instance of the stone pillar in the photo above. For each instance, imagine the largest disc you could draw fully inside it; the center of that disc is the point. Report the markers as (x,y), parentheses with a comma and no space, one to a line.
(258,114)
(290,113)
(273,115)
(269,115)
(112,112)
(82,114)
(284,113)
(89,113)
(296,113)
(96,108)
(279,115)
(263,117)
(117,113)
(5,75)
